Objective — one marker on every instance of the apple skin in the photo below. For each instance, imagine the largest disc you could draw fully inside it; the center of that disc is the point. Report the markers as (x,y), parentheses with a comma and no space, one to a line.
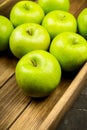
(58,21)
(28,37)
(26,12)
(6,29)
(82,23)
(38,73)
(70,49)
(50,5)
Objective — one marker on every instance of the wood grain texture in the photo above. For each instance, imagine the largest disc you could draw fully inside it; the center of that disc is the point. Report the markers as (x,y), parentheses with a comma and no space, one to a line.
(20,112)
(12,103)
(7,67)
(77,6)
(5,6)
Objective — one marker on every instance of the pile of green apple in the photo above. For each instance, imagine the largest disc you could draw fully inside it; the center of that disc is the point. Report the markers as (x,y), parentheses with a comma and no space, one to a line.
(46,38)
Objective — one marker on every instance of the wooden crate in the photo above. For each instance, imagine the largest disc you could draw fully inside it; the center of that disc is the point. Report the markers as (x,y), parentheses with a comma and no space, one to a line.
(21,112)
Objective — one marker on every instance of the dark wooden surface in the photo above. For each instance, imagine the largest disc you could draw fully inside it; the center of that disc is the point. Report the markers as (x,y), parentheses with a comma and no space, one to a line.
(76,117)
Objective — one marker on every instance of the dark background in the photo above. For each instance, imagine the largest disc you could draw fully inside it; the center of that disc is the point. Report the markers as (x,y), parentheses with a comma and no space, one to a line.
(76,117)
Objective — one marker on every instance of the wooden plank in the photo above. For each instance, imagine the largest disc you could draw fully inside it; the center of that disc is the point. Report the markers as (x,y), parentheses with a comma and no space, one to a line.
(5,6)
(12,103)
(7,67)
(77,6)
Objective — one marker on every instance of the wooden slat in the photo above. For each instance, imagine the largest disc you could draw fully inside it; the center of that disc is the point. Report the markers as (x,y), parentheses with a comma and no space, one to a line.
(5,6)
(77,6)
(12,103)
(7,67)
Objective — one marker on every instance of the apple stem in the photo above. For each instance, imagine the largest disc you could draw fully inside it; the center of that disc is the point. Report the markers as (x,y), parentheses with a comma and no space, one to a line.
(29,32)
(34,62)
(63,17)
(26,6)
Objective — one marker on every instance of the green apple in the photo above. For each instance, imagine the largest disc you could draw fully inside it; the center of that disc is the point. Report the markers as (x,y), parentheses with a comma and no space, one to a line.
(26,12)
(50,5)
(70,49)
(6,29)
(58,21)
(38,73)
(28,37)
(82,22)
